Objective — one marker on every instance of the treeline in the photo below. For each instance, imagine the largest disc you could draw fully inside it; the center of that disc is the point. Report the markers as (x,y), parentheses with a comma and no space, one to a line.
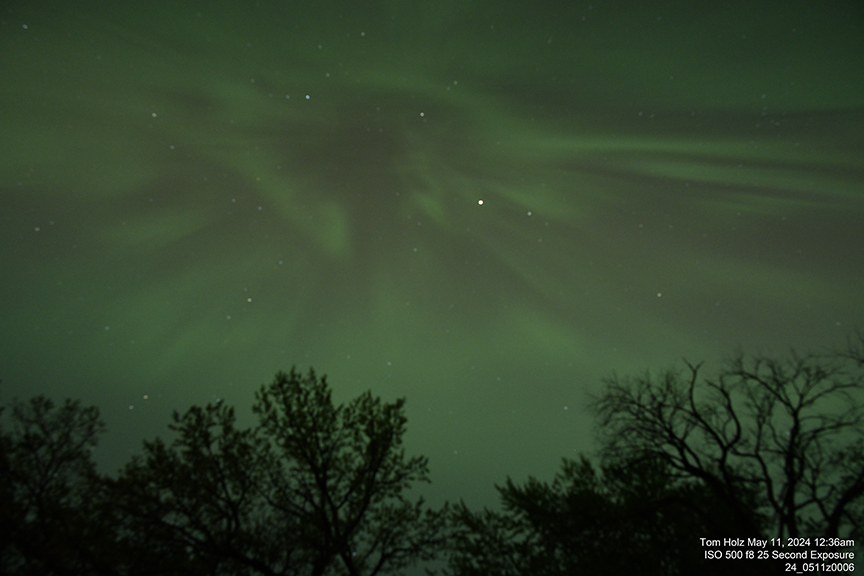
(769,448)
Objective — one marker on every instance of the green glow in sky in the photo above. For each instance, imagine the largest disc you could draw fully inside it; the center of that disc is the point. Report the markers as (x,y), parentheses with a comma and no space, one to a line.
(484,207)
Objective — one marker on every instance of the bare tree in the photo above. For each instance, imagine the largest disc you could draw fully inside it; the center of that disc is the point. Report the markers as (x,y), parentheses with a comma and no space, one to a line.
(782,437)
(624,519)
(47,485)
(195,506)
(342,473)
(314,489)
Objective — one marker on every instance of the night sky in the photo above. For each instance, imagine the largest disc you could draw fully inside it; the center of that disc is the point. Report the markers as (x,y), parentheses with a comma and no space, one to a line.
(484,206)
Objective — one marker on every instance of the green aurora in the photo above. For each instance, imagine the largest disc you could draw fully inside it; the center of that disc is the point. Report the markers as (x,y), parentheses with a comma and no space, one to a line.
(484,207)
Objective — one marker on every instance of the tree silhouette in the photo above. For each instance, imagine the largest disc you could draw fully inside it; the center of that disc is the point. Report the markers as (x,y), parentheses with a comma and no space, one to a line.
(47,502)
(789,430)
(768,447)
(314,489)
(341,470)
(629,519)
(200,501)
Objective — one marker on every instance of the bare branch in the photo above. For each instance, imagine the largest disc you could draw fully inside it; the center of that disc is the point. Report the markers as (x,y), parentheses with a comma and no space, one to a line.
(768,428)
